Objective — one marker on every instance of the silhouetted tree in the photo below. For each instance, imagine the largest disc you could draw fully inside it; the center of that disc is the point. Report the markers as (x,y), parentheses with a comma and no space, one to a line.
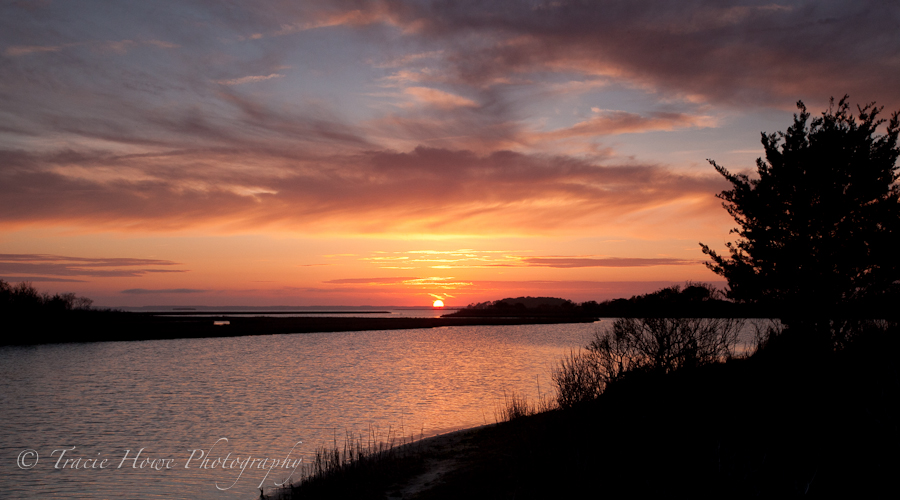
(819,229)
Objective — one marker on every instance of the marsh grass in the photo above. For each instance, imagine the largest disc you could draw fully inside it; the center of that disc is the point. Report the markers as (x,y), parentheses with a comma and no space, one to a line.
(362,466)
(517,405)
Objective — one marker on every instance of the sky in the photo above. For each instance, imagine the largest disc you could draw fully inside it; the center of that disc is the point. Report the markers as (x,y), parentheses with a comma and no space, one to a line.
(329,152)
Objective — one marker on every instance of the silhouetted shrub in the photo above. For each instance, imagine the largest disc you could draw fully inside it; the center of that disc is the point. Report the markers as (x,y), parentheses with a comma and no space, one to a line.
(649,345)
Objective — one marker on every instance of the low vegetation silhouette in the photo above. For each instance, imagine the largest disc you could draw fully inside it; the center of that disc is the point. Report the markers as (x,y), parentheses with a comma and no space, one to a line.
(646,346)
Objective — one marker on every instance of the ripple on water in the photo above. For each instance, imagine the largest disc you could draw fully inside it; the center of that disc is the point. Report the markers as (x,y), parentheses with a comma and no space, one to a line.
(263,393)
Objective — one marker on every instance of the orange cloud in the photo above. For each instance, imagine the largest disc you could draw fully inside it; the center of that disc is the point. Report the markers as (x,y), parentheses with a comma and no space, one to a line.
(475,259)
(370,281)
(576,262)
(439,98)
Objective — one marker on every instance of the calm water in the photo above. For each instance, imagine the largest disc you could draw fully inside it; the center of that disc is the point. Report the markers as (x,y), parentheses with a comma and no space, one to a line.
(175,398)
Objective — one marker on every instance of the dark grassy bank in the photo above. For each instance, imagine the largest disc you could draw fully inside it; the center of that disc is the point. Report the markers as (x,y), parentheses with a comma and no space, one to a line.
(782,423)
(100,326)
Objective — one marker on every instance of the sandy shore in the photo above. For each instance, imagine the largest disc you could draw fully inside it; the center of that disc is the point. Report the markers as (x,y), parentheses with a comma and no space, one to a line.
(440,455)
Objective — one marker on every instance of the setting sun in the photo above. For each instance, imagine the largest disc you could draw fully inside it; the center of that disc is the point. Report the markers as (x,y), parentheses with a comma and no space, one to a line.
(438,303)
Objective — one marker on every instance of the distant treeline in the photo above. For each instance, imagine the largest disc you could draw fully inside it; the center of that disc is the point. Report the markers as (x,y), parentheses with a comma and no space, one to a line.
(25,300)
(29,316)
(524,306)
(694,300)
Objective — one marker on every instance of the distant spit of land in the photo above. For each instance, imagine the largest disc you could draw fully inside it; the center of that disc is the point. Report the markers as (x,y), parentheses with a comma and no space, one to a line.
(101,326)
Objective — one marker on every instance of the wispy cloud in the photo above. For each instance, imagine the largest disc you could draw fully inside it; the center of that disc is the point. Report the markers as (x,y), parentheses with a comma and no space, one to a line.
(48,279)
(378,281)
(162,44)
(57,266)
(23,50)
(146,291)
(473,259)
(114,46)
(406,282)
(576,262)
(250,79)
(89,261)
(614,122)
(99,46)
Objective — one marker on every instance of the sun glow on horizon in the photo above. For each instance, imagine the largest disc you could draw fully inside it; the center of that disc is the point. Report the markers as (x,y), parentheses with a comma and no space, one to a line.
(438,303)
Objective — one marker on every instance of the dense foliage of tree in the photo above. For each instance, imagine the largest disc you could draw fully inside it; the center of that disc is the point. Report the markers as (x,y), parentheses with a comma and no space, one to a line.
(818,231)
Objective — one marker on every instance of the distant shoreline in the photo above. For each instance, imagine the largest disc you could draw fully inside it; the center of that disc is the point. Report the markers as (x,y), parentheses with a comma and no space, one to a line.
(196,312)
(111,326)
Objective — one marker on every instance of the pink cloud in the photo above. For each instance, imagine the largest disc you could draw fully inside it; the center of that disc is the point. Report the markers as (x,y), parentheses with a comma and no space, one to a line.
(439,98)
